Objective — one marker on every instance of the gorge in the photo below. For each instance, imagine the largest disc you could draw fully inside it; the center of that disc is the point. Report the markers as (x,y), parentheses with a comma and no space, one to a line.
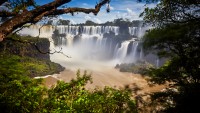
(96,49)
(113,44)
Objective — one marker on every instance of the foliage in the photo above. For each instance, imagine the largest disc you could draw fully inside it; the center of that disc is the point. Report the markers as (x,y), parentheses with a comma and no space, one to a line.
(176,35)
(37,67)
(123,25)
(34,67)
(19,93)
(63,22)
(72,97)
(172,12)
(90,23)
(24,48)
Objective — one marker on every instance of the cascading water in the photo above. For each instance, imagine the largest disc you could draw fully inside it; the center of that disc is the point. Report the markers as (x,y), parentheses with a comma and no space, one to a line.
(141,53)
(88,30)
(122,51)
(88,42)
(133,31)
(134,48)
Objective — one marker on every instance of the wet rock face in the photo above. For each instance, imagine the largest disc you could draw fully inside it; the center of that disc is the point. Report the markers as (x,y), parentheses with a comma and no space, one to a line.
(109,35)
(43,47)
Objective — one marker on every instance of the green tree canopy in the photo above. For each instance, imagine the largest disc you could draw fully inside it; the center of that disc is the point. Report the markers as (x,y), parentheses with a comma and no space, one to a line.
(176,35)
(89,22)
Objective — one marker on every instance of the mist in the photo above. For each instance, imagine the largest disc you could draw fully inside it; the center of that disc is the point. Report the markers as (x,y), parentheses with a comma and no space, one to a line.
(88,47)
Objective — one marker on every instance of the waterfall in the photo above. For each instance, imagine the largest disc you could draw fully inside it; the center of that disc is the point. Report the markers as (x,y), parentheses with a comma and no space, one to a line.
(47,30)
(87,30)
(70,30)
(133,56)
(141,53)
(135,47)
(122,51)
(115,50)
(133,31)
(89,41)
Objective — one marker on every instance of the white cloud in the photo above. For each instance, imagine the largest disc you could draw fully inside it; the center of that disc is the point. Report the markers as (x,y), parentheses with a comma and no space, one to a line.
(118,15)
(87,17)
(85,4)
(131,13)
(112,8)
(129,9)
(97,20)
(72,21)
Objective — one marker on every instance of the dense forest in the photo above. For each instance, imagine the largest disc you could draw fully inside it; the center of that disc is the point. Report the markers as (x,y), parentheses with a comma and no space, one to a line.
(175,35)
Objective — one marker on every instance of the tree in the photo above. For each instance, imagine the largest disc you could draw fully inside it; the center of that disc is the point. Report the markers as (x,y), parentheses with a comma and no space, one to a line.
(22,13)
(123,25)
(90,23)
(176,35)
(63,22)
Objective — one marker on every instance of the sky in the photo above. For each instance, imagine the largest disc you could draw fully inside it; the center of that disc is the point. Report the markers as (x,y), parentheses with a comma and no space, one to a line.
(129,9)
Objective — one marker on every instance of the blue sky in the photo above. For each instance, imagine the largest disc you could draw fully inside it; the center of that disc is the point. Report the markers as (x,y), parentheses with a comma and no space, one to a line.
(129,9)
